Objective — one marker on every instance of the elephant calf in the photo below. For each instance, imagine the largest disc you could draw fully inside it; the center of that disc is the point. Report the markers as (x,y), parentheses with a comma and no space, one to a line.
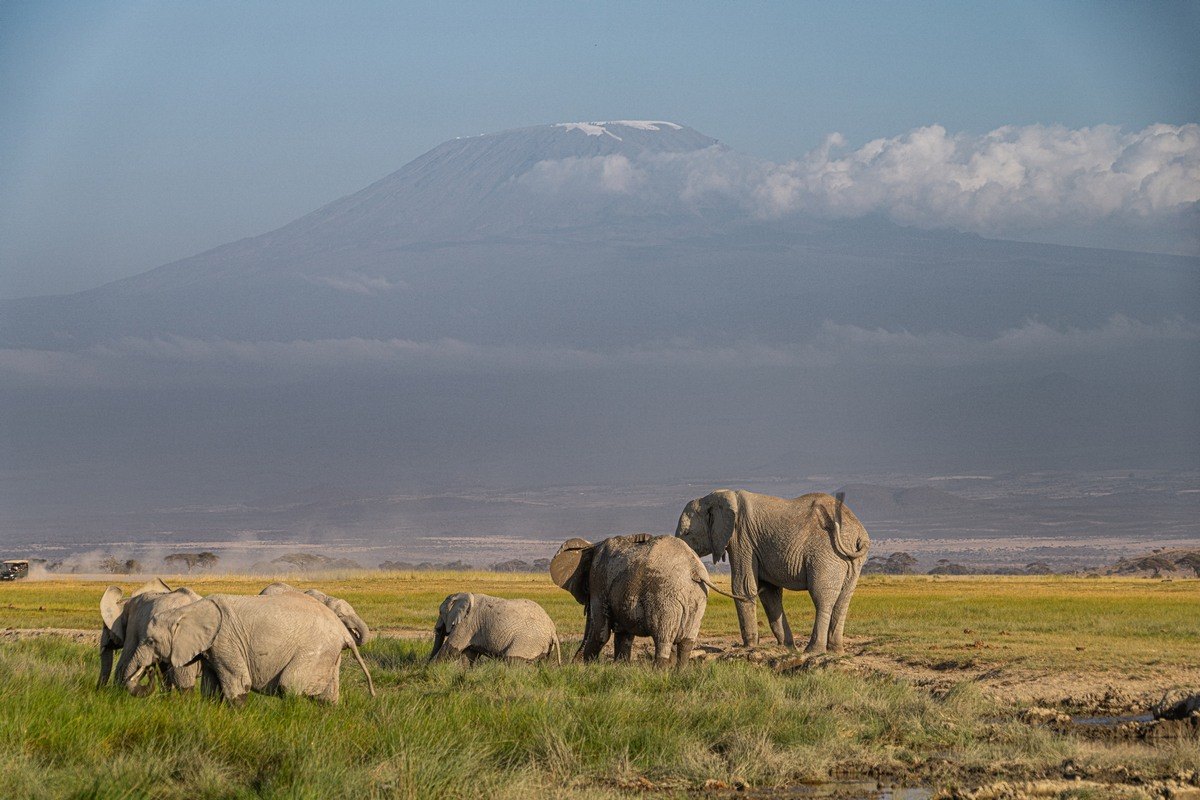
(125,620)
(637,585)
(477,625)
(345,612)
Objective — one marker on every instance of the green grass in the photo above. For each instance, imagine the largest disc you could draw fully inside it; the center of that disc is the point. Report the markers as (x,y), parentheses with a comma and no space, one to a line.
(502,731)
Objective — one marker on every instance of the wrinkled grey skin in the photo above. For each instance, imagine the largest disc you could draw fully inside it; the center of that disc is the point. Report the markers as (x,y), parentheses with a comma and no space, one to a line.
(124,627)
(286,643)
(475,625)
(345,612)
(639,585)
(812,542)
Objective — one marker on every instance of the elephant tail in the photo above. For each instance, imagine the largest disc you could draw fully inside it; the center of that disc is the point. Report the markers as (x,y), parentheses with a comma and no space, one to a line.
(730,595)
(848,547)
(358,657)
(557,649)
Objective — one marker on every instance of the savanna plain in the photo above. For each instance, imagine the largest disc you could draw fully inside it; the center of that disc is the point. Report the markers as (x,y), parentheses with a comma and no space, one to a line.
(972,687)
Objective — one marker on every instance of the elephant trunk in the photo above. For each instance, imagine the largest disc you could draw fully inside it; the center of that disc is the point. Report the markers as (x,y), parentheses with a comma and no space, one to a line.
(439,639)
(359,630)
(131,676)
(106,659)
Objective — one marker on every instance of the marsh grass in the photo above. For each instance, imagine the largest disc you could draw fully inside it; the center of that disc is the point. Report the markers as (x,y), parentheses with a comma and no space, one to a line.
(504,731)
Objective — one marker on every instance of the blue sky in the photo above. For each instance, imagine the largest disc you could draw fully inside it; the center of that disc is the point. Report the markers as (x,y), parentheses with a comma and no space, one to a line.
(133,134)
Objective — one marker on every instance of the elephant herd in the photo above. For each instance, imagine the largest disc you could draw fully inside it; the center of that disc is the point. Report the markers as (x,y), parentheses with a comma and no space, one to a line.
(283,641)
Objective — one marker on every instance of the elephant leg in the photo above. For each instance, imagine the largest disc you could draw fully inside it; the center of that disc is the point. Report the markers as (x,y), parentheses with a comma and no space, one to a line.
(662,653)
(210,685)
(772,601)
(840,609)
(622,646)
(598,631)
(332,691)
(683,652)
(824,612)
(234,683)
(747,621)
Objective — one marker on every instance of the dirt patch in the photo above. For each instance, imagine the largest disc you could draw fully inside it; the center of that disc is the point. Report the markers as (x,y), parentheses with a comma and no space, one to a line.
(74,634)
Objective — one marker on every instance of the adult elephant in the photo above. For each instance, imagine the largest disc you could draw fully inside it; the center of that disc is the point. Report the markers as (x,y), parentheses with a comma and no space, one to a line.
(124,628)
(286,643)
(345,612)
(810,542)
(639,585)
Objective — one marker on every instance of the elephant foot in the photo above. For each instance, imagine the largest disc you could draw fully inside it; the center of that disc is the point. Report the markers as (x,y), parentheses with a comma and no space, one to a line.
(662,663)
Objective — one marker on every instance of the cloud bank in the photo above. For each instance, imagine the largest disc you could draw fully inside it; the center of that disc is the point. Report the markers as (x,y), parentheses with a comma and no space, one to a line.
(1007,183)
(172,359)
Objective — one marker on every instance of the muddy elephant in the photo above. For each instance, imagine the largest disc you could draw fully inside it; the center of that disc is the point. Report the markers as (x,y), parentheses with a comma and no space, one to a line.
(475,625)
(345,612)
(285,643)
(124,628)
(639,585)
(812,542)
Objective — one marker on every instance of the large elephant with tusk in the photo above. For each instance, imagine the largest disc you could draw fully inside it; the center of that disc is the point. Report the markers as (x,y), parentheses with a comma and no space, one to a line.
(812,542)
(125,620)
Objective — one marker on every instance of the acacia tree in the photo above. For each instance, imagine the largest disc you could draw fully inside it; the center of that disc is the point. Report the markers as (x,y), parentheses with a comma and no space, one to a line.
(1191,560)
(189,561)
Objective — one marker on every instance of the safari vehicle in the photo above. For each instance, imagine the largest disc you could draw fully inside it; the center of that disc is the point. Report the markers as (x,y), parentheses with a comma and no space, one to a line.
(14,568)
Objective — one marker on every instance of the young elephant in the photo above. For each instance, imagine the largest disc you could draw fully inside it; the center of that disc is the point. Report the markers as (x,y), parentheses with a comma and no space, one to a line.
(124,628)
(286,643)
(481,625)
(639,585)
(345,612)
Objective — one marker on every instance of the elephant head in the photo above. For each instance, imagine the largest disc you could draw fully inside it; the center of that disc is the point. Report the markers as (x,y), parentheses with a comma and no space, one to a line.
(710,523)
(345,612)
(176,637)
(571,567)
(112,613)
(452,613)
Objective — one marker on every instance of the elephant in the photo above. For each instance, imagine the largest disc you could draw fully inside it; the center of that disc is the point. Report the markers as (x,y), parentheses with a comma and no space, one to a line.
(474,625)
(637,585)
(345,612)
(124,628)
(285,643)
(811,542)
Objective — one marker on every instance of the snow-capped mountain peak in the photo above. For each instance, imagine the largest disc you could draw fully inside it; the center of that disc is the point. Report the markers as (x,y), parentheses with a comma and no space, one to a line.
(602,128)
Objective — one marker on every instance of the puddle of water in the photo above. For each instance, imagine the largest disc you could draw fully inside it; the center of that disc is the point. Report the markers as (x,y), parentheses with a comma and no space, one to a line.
(845,790)
(1112,722)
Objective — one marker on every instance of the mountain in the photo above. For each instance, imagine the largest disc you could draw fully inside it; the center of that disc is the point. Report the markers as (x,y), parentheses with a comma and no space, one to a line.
(590,302)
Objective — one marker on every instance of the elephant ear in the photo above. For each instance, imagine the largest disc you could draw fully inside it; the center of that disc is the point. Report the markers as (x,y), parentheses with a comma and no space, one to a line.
(457,608)
(721,516)
(112,603)
(193,630)
(155,586)
(569,567)
(188,593)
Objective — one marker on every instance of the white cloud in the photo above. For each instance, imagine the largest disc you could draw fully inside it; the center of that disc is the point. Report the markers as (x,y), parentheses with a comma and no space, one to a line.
(1012,178)
(1011,182)
(614,174)
(355,283)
